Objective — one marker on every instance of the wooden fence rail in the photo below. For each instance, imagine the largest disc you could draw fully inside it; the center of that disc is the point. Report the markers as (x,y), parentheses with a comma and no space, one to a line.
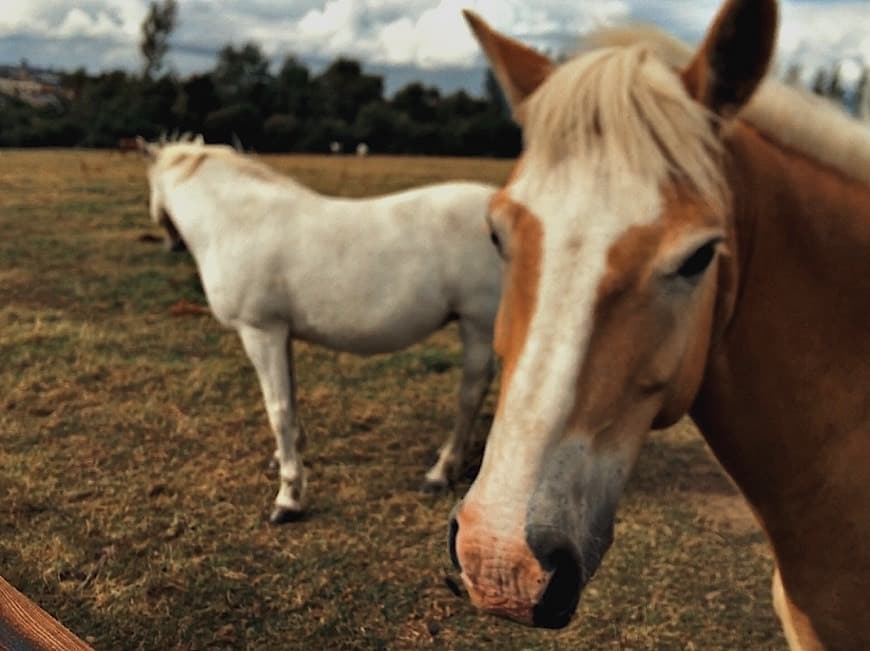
(24,626)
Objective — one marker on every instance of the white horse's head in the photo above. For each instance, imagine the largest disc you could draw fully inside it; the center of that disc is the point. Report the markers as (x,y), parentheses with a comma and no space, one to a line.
(152,151)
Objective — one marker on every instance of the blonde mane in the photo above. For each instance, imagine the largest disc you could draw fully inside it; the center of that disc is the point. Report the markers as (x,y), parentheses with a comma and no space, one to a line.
(621,109)
(795,119)
(187,157)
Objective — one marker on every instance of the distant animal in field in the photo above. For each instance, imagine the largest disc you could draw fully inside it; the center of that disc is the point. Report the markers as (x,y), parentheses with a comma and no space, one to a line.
(126,145)
(682,235)
(362,149)
(279,262)
(335,147)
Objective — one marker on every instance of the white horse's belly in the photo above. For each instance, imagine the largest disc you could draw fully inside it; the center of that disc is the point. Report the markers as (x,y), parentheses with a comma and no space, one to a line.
(385,326)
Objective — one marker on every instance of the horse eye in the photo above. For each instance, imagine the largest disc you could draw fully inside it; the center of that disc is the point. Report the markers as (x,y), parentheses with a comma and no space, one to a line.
(697,263)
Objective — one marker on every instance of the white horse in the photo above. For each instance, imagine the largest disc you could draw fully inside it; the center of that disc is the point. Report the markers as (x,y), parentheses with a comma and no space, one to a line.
(280,262)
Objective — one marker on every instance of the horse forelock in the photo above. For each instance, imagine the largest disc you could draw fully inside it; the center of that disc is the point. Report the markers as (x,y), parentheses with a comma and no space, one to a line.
(621,110)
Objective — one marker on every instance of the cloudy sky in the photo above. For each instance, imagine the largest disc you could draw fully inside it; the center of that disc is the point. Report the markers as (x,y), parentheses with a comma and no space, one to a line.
(402,39)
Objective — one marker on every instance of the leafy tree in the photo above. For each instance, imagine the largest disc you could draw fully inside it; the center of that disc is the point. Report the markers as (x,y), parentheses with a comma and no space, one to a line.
(291,89)
(281,132)
(460,105)
(196,98)
(343,89)
(417,102)
(74,81)
(241,75)
(318,134)
(382,129)
(241,120)
(156,30)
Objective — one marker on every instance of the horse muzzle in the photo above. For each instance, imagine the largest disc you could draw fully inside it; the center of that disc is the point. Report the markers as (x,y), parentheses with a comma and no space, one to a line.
(533,575)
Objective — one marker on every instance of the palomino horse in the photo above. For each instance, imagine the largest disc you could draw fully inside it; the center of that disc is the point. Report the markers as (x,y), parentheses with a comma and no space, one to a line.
(677,242)
(281,262)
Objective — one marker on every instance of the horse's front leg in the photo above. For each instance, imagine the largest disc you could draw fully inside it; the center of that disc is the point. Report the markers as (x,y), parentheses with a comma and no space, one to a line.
(270,351)
(477,374)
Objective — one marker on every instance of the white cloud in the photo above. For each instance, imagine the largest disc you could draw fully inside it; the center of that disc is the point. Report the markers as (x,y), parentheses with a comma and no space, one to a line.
(430,34)
(57,20)
(426,34)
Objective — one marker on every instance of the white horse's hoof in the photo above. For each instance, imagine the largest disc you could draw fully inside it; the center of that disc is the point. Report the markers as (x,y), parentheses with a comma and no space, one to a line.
(283,515)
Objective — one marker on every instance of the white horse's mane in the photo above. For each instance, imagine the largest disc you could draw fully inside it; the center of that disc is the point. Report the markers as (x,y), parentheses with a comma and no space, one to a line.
(185,156)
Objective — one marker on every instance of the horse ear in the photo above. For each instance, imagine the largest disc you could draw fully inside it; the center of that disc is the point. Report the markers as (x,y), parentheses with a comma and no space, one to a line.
(148,150)
(518,68)
(734,57)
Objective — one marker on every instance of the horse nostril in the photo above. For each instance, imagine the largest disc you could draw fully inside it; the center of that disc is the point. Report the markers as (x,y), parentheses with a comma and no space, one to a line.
(453,529)
(557,553)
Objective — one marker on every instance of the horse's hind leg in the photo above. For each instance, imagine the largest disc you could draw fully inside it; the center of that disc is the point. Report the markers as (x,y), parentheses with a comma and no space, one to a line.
(270,350)
(477,374)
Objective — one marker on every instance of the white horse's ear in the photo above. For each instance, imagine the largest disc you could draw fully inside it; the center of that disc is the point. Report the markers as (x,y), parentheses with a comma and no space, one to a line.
(518,68)
(199,140)
(148,150)
(734,57)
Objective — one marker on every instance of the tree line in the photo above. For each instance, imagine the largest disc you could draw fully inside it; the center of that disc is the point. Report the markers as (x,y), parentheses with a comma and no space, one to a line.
(241,99)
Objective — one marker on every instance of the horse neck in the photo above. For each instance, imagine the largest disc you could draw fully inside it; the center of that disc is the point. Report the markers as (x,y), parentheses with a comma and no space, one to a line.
(784,401)
(226,207)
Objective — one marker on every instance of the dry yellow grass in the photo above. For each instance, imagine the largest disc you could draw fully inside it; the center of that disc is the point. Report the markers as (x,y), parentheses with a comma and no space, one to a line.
(133,448)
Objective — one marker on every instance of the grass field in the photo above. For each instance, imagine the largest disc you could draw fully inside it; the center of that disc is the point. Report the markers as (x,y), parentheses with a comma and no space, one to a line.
(134,486)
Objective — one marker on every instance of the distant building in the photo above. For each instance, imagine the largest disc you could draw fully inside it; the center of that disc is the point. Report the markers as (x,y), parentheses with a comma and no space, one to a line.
(32,85)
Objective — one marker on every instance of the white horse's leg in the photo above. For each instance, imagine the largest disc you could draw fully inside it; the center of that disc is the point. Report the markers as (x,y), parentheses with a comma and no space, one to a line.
(477,374)
(271,353)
